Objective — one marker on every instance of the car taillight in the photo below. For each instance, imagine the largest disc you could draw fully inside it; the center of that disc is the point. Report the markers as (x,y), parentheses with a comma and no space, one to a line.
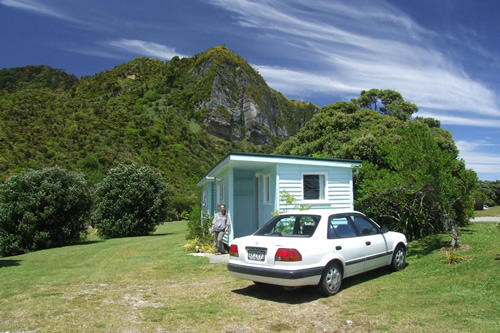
(287,255)
(233,250)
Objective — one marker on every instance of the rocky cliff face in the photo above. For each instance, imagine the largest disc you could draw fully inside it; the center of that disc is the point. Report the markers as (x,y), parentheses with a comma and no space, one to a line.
(241,105)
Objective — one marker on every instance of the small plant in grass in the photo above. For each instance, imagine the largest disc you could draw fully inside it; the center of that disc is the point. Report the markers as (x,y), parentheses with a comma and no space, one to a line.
(130,201)
(191,244)
(41,209)
(204,245)
(452,257)
(207,247)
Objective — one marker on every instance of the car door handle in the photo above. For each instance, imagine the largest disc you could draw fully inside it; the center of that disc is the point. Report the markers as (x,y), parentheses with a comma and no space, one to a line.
(338,248)
(368,243)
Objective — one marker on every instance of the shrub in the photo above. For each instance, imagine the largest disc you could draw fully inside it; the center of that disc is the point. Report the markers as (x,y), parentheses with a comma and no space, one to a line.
(199,233)
(198,225)
(130,201)
(41,209)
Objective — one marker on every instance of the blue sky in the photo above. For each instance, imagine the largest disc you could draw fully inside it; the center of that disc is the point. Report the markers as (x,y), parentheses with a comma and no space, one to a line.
(443,55)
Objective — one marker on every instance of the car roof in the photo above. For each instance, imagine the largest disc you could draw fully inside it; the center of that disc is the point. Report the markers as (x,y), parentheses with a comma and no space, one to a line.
(319,212)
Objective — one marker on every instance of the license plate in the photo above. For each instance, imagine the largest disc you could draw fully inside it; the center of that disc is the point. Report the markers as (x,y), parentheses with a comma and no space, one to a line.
(256,255)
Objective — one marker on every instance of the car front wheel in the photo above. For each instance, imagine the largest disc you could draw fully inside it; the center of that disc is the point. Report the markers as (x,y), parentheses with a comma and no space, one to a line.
(331,280)
(399,259)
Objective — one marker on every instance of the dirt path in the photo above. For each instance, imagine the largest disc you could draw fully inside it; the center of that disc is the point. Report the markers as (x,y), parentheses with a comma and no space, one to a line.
(486,219)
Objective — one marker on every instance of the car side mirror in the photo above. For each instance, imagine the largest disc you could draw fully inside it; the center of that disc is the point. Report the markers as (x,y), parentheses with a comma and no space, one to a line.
(384,230)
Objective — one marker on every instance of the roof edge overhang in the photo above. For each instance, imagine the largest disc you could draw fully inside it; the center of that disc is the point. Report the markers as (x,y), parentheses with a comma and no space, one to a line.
(273,159)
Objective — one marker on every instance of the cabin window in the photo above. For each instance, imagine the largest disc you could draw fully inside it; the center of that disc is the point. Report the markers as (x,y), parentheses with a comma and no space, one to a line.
(204,198)
(220,192)
(266,189)
(314,187)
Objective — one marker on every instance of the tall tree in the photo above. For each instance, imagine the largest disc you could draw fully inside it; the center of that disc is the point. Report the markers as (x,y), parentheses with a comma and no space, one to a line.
(387,102)
(411,179)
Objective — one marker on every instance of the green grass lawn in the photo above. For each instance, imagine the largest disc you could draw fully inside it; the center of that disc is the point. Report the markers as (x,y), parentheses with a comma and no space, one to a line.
(148,284)
(491,211)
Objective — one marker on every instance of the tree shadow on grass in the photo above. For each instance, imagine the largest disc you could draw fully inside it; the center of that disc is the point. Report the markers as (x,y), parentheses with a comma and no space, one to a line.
(307,293)
(88,242)
(9,262)
(428,244)
(467,231)
(162,234)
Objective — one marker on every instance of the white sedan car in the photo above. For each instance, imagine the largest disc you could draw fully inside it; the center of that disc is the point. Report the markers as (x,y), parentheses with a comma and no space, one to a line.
(315,247)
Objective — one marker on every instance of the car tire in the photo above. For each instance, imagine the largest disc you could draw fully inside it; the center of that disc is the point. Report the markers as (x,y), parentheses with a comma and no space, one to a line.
(331,280)
(398,262)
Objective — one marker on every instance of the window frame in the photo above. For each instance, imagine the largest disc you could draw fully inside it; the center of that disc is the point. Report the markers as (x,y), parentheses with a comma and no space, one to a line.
(204,197)
(220,191)
(266,189)
(323,185)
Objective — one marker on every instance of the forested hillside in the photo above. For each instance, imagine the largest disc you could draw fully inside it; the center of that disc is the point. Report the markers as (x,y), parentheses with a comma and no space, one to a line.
(179,117)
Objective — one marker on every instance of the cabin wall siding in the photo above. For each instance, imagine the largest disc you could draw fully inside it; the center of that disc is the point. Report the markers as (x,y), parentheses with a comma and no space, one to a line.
(338,186)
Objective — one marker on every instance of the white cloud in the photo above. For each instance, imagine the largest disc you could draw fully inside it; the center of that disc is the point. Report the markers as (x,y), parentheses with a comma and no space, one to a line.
(447,119)
(293,82)
(359,46)
(95,53)
(477,156)
(37,8)
(144,48)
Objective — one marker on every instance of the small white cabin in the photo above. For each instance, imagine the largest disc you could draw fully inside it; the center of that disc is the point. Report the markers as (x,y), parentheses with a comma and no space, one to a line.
(250,185)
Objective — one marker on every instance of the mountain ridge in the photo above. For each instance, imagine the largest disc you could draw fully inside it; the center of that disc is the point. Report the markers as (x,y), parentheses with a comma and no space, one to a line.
(178,116)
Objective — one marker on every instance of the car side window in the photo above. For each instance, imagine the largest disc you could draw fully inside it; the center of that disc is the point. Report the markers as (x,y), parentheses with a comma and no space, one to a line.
(364,226)
(339,227)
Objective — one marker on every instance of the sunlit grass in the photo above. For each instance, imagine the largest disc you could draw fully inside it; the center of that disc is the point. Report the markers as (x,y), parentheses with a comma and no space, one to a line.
(491,211)
(146,284)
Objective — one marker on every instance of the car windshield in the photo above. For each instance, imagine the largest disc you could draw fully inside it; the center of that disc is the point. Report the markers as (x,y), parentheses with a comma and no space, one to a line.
(290,226)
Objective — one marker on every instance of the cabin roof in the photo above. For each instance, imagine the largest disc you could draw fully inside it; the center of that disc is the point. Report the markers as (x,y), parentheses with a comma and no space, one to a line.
(258,160)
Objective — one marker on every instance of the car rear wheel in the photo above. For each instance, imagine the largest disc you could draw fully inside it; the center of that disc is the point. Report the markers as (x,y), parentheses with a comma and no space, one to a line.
(331,280)
(399,259)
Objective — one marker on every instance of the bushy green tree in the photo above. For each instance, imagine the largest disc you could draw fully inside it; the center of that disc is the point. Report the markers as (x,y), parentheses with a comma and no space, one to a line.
(420,188)
(388,102)
(479,200)
(41,209)
(411,179)
(130,201)
(491,193)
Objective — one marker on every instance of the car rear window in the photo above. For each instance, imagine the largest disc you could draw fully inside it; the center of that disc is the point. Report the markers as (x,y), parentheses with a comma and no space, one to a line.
(290,226)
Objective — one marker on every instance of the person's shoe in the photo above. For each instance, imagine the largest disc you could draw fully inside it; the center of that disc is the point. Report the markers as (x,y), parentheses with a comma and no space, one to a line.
(217,253)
